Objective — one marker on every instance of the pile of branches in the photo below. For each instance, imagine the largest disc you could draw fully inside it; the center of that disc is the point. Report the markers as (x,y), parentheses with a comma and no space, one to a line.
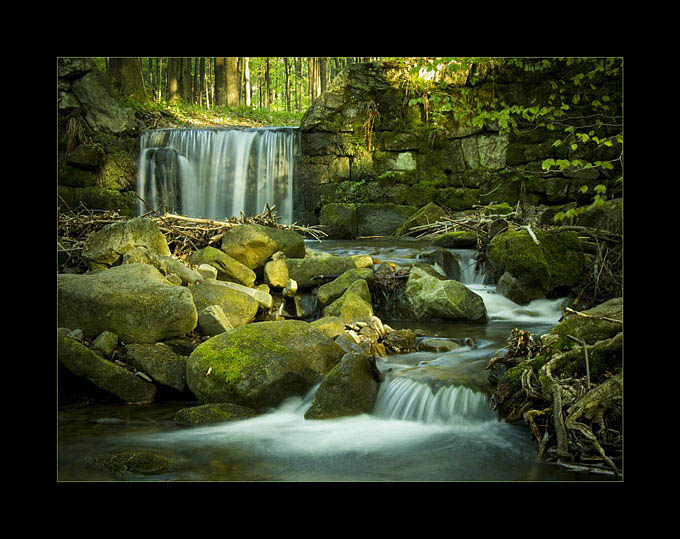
(478,221)
(574,421)
(183,234)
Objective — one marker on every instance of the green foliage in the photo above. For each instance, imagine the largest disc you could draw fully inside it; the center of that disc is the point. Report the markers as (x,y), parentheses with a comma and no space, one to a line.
(580,108)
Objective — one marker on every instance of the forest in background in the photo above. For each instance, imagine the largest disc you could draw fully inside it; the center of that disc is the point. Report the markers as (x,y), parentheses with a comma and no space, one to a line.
(257,87)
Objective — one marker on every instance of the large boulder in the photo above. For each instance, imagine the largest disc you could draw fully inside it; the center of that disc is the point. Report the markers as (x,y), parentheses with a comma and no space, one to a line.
(261,364)
(134,301)
(350,388)
(354,305)
(430,297)
(238,307)
(329,292)
(104,248)
(303,270)
(551,268)
(228,268)
(252,245)
(102,373)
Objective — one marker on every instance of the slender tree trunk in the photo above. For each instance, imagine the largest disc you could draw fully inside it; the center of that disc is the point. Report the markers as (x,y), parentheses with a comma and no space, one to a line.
(173,92)
(298,83)
(196,91)
(159,66)
(128,78)
(201,82)
(322,75)
(221,81)
(186,89)
(287,70)
(232,81)
(267,84)
(151,86)
(246,76)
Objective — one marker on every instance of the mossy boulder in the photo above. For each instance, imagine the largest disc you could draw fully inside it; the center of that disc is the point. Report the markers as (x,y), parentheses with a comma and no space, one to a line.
(252,245)
(105,247)
(261,364)
(338,221)
(350,388)
(134,301)
(211,413)
(228,268)
(329,292)
(278,272)
(553,267)
(354,305)
(238,307)
(428,214)
(430,297)
(104,374)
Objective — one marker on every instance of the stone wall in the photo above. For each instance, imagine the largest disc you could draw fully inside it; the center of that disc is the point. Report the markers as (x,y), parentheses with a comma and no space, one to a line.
(97,140)
(362,143)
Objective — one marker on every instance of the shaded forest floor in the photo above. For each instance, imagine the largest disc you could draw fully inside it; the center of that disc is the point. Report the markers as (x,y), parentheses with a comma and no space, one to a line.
(181,115)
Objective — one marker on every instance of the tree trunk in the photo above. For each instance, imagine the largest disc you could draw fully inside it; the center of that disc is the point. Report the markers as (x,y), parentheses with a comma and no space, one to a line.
(298,84)
(159,80)
(221,81)
(267,85)
(127,76)
(322,75)
(246,76)
(185,80)
(173,93)
(287,69)
(232,81)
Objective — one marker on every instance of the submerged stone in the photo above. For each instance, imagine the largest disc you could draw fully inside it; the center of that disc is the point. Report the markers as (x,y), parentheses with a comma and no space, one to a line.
(213,413)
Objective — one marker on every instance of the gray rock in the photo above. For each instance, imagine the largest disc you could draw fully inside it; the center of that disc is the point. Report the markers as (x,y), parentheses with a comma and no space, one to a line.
(104,374)
(106,343)
(429,297)
(212,321)
(350,388)
(160,362)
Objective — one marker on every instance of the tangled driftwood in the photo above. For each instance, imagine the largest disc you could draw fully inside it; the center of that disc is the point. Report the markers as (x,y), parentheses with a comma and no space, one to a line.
(183,234)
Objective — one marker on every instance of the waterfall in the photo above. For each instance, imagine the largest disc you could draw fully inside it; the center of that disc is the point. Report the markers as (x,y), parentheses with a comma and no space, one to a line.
(406,399)
(467,259)
(218,173)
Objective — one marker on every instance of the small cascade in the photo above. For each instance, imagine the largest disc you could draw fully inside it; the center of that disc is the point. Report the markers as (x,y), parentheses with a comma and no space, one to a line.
(409,400)
(218,173)
(467,259)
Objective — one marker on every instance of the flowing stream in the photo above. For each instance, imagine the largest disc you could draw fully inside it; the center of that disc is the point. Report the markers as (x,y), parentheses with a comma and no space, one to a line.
(431,421)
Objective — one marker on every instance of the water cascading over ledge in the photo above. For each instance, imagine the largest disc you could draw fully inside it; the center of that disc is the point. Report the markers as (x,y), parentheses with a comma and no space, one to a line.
(218,173)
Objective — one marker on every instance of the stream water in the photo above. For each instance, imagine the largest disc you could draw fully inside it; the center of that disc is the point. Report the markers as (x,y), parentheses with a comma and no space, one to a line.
(418,431)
